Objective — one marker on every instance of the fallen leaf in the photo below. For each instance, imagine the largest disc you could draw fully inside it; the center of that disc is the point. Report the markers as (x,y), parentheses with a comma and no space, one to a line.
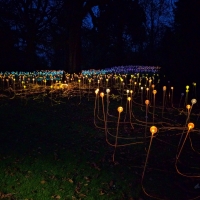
(82,195)
(43,182)
(70,180)
(101,193)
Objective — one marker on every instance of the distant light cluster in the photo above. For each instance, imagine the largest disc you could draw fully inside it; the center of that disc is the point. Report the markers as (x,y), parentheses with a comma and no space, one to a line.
(123,70)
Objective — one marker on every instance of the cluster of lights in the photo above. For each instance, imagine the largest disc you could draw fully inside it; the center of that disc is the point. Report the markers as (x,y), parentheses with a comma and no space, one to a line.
(104,82)
(130,69)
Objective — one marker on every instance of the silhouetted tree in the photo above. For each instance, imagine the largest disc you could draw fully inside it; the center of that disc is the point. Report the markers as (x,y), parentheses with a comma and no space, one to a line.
(31,21)
(187,35)
(71,17)
(159,17)
(117,33)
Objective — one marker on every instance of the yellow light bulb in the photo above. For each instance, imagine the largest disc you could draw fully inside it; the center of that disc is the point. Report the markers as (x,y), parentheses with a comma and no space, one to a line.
(147,102)
(164,88)
(154,91)
(120,109)
(187,87)
(153,130)
(188,106)
(190,125)
(129,98)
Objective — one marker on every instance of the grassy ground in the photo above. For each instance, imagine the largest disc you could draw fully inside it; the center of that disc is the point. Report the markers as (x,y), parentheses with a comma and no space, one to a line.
(56,152)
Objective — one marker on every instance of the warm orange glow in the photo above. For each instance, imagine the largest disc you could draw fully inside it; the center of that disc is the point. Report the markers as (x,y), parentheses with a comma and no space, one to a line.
(153,130)
(154,91)
(188,106)
(147,102)
(120,109)
(190,125)
(164,88)
(102,94)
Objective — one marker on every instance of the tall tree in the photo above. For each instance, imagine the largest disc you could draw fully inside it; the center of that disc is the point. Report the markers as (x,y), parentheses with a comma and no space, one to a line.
(187,30)
(31,20)
(159,15)
(71,17)
(119,31)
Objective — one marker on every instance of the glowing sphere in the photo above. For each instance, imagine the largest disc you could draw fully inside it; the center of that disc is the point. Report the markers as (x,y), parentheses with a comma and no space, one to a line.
(129,98)
(164,88)
(187,87)
(188,106)
(190,125)
(141,88)
(193,101)
(107,90)
(102,94)
(96,91)
(147,102)
(120,109)
(153,130)
(127,91)
(154,91)
(172,88)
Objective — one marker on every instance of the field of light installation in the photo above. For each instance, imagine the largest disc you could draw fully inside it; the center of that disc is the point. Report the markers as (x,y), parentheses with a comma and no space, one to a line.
(127,124)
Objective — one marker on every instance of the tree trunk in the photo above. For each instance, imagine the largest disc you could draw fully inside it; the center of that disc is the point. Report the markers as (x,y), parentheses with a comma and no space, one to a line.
(74,47)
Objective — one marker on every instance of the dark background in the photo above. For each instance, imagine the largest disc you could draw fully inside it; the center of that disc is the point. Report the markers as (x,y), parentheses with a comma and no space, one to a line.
(92,34)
